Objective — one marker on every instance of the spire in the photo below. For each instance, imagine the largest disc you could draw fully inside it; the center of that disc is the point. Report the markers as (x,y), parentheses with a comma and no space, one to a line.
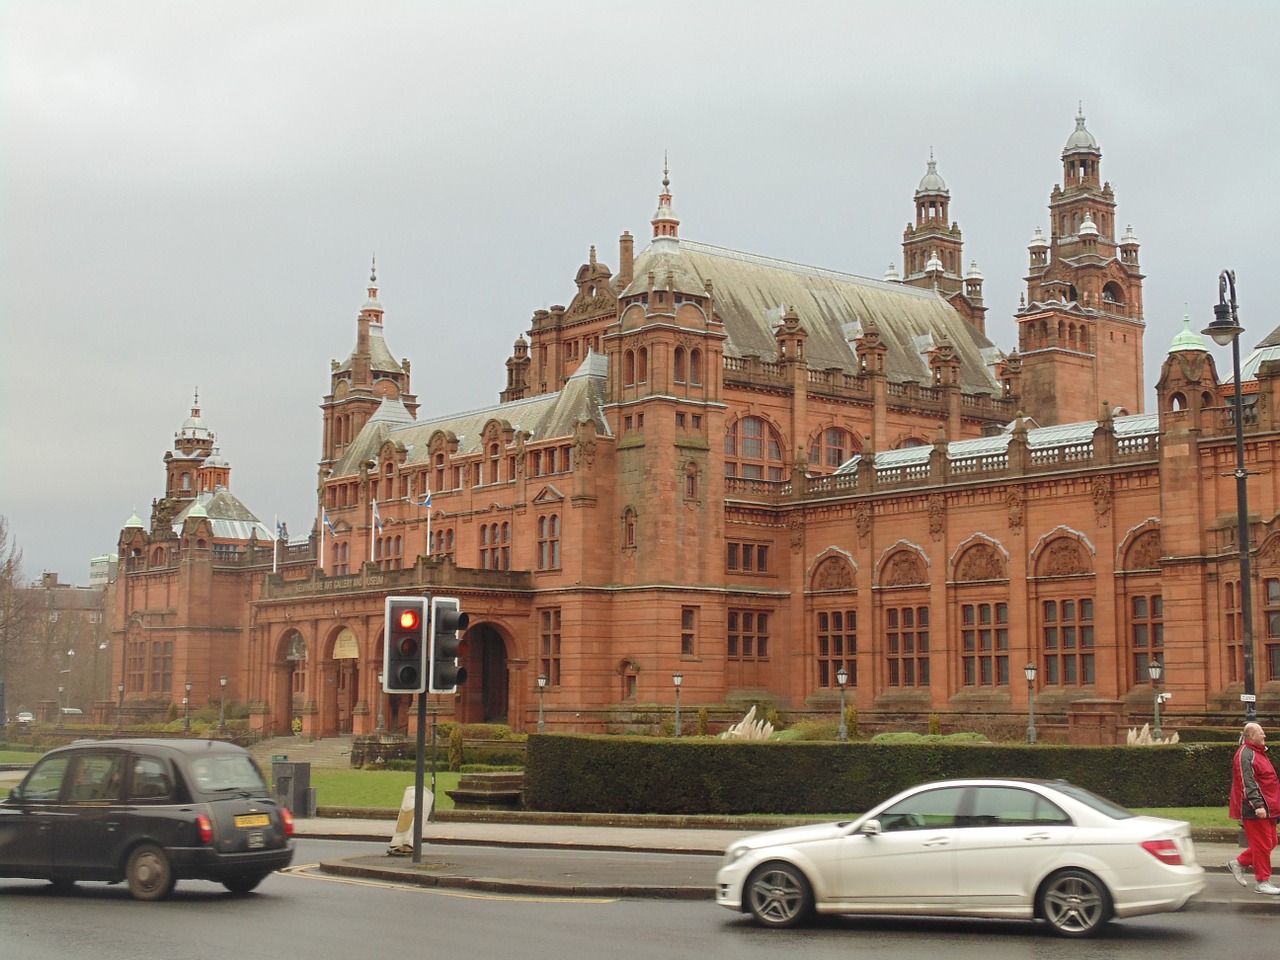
(665,222)
(372,304)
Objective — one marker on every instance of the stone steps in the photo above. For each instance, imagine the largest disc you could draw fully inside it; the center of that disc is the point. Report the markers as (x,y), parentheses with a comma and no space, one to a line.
(328,752)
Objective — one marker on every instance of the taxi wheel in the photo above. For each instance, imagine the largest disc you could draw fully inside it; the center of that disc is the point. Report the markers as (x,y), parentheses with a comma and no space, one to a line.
(240,885)
(149,873)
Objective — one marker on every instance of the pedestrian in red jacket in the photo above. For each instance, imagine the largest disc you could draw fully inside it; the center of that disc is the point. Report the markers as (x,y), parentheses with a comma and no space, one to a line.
(1255,802)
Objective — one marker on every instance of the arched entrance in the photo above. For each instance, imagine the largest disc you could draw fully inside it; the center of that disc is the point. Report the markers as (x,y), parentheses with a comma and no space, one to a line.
(484,696)
(346,694)
(295,659)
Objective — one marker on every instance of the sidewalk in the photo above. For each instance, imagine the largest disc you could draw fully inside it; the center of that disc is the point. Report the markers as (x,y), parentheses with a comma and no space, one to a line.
(462,855)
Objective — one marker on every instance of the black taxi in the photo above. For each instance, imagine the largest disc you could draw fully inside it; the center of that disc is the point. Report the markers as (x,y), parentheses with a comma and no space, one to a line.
(147,813)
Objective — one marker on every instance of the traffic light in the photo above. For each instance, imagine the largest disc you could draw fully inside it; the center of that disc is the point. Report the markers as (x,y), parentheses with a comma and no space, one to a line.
(447,623)
(404,660)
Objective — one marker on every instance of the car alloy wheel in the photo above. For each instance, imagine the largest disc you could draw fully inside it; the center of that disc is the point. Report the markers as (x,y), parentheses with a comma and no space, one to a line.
(1075,903)
(149,873)
(779,895)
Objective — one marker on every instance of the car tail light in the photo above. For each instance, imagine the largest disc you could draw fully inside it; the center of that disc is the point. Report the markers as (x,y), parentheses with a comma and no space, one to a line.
(287,817)
(1166,851)
(206,828)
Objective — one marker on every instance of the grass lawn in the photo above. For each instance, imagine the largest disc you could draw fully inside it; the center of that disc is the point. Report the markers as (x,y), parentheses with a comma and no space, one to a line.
(18,756)
(376,788)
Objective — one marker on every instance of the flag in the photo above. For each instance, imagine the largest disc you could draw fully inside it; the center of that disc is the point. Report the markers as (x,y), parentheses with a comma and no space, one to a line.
(426,501)
(377,518)
(282,532)
(332,532)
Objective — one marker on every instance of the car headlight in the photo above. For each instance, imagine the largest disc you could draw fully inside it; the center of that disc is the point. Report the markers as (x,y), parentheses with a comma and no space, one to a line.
(735,853)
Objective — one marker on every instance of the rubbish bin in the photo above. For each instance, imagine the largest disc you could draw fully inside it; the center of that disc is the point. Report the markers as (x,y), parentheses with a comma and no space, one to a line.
(291,787)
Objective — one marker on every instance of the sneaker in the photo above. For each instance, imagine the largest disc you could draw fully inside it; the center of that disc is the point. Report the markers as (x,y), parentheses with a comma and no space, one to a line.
(1267,888)
(1237,871)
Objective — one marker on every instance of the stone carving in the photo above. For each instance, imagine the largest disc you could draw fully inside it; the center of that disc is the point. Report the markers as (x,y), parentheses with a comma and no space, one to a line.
(1269,555)
(1014,501)
(862,521)
(903,569)
(981,562)
(1101,496)
(797,532)
(937,515)
(1145,552)
(749,728)
(1063,558)
(833,573)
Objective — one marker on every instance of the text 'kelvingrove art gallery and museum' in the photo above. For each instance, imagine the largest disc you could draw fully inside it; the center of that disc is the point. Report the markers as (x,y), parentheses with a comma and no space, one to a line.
(757,475)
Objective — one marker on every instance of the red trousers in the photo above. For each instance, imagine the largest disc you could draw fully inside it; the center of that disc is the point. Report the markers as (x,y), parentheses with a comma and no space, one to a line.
(1261,835)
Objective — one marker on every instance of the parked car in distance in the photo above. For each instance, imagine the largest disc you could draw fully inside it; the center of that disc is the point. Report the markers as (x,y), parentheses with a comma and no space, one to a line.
(147,813)
(26,716)
(1029,849)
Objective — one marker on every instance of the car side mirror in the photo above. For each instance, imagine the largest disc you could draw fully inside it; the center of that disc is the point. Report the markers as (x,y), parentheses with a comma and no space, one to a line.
(870,828)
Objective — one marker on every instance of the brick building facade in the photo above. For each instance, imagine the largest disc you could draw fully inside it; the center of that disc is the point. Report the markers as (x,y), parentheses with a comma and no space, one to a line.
(752,473)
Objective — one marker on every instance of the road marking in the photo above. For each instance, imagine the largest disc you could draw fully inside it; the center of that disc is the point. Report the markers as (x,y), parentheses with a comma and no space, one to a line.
(310,871)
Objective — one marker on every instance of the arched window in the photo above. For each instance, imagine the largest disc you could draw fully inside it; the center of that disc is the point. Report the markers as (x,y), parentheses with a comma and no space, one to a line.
(695,367)
(691,481)
(629,529)
(831,447)
(642,365)
(678,365)
(753,450)
(628,368)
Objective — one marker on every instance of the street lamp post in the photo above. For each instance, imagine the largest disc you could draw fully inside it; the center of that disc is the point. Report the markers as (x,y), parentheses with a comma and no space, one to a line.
(222,707)
(542,688)
(1226,329)
(382,717)
(1030,672)
(677,679)
(842,677)
(120,705)
(1155,669)
(186,709)
(60,689)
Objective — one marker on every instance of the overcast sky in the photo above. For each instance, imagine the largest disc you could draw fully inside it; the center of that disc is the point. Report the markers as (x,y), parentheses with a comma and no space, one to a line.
(191,192)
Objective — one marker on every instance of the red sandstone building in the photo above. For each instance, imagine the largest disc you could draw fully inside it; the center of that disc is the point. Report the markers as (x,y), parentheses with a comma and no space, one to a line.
(752,473)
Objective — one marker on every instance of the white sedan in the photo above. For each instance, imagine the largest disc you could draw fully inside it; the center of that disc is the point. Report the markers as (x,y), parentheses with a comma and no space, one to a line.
(970,848)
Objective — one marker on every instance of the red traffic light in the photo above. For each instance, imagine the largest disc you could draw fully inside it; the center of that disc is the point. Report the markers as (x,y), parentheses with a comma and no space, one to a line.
(410,619)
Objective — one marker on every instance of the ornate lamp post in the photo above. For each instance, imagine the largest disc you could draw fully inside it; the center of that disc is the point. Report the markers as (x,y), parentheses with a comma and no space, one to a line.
(1226,329)
(842,677)
(382,717)
(120,705)
(222,706)
(1155,669)
(186,709)
(1030,672)
(542,688)
(677,679)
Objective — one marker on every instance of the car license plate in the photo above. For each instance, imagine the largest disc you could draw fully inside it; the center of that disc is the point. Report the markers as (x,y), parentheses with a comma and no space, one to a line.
(256,840)
(253,820)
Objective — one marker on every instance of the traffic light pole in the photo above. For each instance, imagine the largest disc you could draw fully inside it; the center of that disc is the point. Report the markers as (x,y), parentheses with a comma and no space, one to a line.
(435,712)
(419,775)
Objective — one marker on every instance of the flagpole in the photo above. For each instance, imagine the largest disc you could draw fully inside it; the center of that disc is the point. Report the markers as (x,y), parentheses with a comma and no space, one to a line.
(324,522)
(275,547)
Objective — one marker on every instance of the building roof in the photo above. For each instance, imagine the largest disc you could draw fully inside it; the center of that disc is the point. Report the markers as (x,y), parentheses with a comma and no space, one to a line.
(752,292)
(231,519)
(548,415)
(380,357)
(1061,435)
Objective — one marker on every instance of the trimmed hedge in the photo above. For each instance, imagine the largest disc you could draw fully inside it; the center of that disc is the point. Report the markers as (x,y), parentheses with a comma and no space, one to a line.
(609,774)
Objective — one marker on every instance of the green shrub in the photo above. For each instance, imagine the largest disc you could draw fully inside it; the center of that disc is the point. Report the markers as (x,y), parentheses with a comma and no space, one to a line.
(704,724)
(606,774)
(455,748)
(935,725)
(851,723)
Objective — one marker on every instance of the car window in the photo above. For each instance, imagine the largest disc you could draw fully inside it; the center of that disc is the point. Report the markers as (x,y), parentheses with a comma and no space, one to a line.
(1012,807)
(44,782)
(151,780)
(227,772)
(96,778)
(929,810)
(1103,806)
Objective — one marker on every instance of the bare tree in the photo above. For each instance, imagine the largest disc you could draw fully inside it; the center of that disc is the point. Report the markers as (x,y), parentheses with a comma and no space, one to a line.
(18,647)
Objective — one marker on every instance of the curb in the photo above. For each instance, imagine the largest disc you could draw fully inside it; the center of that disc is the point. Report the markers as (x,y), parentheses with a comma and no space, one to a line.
(527,887)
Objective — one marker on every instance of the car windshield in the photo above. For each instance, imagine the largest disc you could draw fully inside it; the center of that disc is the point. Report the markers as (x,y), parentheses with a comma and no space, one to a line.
(1105,807)
(227,772)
